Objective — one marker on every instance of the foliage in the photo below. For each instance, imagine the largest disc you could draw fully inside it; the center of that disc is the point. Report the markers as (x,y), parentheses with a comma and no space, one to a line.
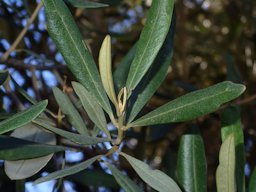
(117,100)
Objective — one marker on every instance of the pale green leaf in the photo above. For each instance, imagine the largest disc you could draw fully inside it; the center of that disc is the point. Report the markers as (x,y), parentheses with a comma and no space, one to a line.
(225,174)
(92,108)
(191,164)
(231,124)
(154,178)
(105,66)
(64,32)
(151,39)
(125,182)
(70,111)
(68,171)
(76,138)
(192,105)
(23,117)
(23,169)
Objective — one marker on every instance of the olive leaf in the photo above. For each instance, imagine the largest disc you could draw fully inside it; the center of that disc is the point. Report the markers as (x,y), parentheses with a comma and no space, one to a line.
(105,66)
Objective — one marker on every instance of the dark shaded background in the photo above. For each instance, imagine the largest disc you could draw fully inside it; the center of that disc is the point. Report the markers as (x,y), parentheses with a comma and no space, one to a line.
(212,38)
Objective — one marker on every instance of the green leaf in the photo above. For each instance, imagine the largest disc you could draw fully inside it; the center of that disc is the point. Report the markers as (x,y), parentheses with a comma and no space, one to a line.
(191,164)
(122,69)
(94,178)
(17,149)
(154,178)
(192,105)
(252,183)
(79,139)
(231,124)
(67,171)
(86,4)
(22,118)
(23,169)
(225,174)
(3,76)
(156,73)
(125,182)
(151,39)
(70,111)
(105,66)
(62,28)
(92,108)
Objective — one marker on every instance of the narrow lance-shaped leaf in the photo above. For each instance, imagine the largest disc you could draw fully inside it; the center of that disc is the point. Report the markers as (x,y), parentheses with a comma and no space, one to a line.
(95,178)
(70,111)
(105,66)
(156,73)
(92,108)
(23,169)
(192,105)
(68,171)
(231,124)
(151,39)
(23,117)
(122,69)
(154,178)
(3,76)
(191,164)
(62,28)
(17,149)
(225,174)
(252,183)
(85,4)
(125,182)
(80,139)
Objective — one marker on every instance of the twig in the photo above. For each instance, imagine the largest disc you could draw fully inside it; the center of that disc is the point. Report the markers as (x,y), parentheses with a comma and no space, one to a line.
(19,64)
(246,100)
(23,32)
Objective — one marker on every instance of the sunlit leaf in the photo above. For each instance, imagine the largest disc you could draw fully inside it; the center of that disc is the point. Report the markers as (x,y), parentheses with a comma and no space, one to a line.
(64,32)
(22,118)
(125,182)
(70,111)
(105,66)
(85,4)
(151,39)
(17,149)
(92,108)
(225,174)
(191,164)
(67,171)
(79,139)
(154,178)
(156,74)
(192,105)
(231,124)
(22,169)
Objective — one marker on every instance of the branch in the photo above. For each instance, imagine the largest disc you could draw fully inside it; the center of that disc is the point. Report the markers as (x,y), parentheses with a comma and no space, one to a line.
(23,32)
(19,64)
